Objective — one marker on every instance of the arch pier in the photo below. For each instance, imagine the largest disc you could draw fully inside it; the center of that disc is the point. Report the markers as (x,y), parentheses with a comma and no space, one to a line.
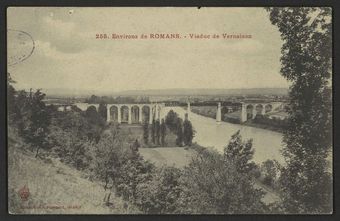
(133,113)
(250,110)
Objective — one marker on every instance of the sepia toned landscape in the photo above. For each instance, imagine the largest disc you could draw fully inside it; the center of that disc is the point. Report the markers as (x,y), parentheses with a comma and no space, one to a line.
(112,111)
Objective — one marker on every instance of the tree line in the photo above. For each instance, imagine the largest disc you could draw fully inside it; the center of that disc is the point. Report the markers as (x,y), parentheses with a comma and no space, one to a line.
(108,154)
(94,99)
(172,123)
(212,182)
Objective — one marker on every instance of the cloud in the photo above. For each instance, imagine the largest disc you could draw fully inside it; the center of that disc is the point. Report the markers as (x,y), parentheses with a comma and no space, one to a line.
(50,51)
(67,54)
(63,35)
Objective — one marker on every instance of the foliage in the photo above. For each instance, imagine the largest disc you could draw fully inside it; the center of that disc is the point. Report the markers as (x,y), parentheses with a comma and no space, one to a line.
(306,62)
(212,185)
(240,152)
(113,100)
(270,172)
(159,194)
(11,94)
(157,132)
(102,111)
(96,123)
(153,132)
(110,154)
(132,172)
(179,132)
(163,133)
(146,132)
(34,119)
(171,120)
(188,132)
(275,122)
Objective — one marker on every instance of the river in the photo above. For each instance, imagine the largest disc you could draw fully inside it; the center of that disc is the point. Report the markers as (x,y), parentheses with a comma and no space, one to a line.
(267,144)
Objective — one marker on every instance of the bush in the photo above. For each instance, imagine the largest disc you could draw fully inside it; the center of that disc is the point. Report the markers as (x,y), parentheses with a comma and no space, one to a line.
(212,185)
(159,195)
(270,173)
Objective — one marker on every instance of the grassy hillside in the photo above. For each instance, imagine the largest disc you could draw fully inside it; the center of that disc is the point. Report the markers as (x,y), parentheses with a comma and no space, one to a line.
(55,188)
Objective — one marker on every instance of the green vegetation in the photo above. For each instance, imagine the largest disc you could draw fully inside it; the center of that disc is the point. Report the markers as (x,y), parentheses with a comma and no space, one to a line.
(211,182)
(207,111)
(110,155)
(188,132)
(306,62)
(119,99)
(146,132)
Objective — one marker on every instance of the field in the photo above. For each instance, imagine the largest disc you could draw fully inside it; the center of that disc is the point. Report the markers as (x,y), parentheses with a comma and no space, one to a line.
(169,156)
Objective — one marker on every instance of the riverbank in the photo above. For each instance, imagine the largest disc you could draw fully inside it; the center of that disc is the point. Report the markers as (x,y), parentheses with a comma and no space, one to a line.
(267,144)
(262,126)
(210,112)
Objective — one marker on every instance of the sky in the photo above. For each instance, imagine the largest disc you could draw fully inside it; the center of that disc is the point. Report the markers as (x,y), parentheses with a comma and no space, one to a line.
(68,56)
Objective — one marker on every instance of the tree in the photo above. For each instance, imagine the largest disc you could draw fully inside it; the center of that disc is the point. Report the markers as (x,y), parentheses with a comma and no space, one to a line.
(159,195)
(153,131)
(163,132)
(188,132)
(179,132)
(93,99)
(102,111)
(158,132)
(171,120)
(37,120)
(133,171)
(306,62)
(11,93)
(270,171)
(240,153)
(146,131)
(96,121)
(211,185)
(136,146)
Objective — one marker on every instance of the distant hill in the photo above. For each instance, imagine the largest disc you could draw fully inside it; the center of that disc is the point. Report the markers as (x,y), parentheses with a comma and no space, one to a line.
(204,91)
(166,92)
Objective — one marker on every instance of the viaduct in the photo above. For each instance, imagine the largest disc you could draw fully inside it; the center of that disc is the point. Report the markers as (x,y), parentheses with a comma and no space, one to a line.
(138,113)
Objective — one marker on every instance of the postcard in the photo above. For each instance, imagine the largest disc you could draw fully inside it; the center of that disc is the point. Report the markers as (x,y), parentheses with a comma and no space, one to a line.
(169,110)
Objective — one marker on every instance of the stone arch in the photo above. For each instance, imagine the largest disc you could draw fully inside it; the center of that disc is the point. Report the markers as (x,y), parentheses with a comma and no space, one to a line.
(91,108)
(135,114)
(124,110)
(146,113)
(259,109)
(250,111)
(114,113)
(268,108)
